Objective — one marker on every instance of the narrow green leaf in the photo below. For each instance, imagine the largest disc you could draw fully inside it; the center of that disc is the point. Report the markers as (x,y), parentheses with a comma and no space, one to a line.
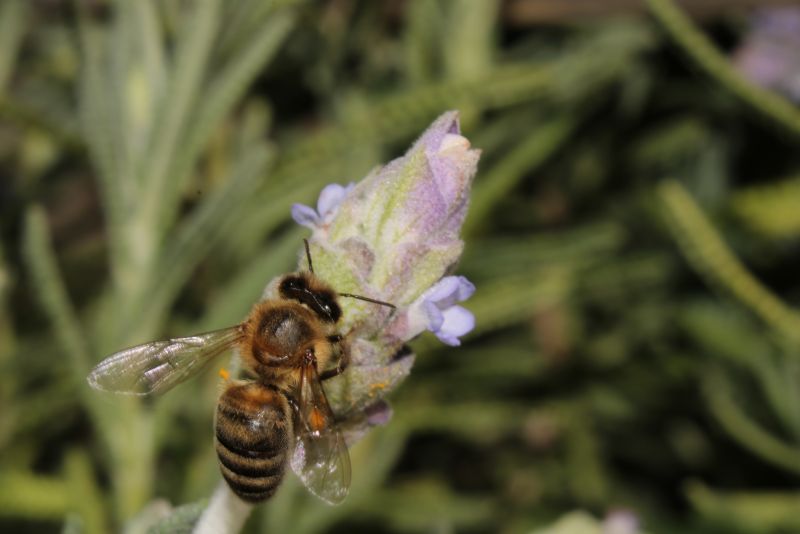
(746,430)
(754,511)
(29,496)
(214,220)
(225,90)
(85,496)
(187,75)
(52,294)
(711,257)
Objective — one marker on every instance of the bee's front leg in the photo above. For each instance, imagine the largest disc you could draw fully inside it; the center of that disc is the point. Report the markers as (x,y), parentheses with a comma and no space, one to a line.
(344,360)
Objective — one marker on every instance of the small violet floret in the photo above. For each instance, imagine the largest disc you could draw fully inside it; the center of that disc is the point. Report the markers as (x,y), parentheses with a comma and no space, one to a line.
(436,309)
(329,199)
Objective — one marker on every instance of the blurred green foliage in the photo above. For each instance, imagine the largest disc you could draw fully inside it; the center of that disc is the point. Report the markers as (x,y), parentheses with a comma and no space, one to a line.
(632,235)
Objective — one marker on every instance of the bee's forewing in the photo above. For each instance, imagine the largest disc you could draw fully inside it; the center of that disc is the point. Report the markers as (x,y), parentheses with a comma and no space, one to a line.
(320,456)
(155,367)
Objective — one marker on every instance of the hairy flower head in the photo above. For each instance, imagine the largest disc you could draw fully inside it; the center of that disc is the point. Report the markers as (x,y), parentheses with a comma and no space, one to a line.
(394,237)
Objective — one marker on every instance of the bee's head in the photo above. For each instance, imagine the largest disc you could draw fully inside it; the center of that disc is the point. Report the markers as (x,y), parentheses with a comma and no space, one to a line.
(311,291)
(306,290)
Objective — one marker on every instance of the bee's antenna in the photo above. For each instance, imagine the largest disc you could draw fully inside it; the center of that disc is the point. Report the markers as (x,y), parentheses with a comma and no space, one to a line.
(374,301)
(352,296)
(308,255)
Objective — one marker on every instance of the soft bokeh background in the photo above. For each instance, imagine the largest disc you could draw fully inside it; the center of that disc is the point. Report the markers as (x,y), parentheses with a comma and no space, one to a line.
(633,236)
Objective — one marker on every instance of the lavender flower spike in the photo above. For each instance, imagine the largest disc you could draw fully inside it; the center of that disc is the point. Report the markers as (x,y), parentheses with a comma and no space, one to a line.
(394,237)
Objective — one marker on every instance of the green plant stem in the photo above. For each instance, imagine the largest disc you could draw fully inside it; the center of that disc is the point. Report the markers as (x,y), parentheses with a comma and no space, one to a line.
(711,257)
(745,430)
(225,514)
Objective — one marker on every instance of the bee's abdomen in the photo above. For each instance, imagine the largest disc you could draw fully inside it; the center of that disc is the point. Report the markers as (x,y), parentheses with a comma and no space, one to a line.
(252,440)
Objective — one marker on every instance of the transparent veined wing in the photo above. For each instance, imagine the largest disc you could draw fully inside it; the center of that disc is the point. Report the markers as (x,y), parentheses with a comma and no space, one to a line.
(320,456)
(157,366)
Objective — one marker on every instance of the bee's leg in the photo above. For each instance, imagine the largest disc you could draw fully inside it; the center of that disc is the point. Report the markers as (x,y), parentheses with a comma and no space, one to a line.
(344,361)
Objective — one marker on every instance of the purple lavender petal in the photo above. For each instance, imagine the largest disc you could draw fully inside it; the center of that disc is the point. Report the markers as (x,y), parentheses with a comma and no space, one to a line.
(449,290)
(465,288)
(457,321)
(436,310)
(440,197)
(446,164)
(447,123)
(305,216)
(379,413)
(331,196)
(434,316)
(443,292)
(427,207)
(447,339)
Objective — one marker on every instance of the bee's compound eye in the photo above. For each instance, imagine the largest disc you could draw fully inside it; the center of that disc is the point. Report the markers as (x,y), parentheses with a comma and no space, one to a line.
(332,310)
(291,285)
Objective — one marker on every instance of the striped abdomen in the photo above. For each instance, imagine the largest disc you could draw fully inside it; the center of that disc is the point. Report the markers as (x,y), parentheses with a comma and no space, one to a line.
(252,435)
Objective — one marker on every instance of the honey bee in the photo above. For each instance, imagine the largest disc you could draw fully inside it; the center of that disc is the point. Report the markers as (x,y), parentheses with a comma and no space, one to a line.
(287,345)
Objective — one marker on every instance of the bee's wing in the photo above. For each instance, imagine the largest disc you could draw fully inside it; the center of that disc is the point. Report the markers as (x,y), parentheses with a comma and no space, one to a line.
(320,455)
(157,366)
